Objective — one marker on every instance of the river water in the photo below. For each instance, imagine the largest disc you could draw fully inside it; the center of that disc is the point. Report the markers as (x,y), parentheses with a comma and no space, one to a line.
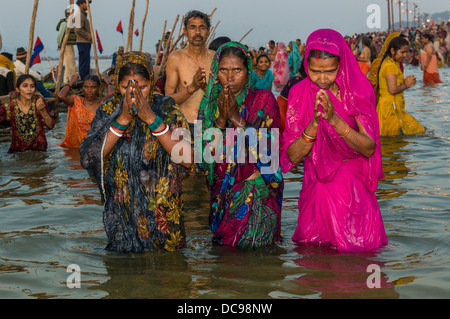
(51,223)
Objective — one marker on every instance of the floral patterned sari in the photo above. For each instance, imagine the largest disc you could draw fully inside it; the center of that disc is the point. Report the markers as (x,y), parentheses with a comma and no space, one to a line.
(243,213)
(139,183)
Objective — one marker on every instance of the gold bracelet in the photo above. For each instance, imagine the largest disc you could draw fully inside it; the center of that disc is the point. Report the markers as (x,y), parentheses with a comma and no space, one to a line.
(347,130)
(308,139)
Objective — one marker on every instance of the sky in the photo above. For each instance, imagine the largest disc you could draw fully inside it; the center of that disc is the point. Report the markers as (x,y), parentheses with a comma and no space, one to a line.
(278,20)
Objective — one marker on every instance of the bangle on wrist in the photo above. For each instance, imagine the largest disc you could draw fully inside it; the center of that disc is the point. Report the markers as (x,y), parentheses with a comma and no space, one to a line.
(156,123)
(115,133)
(187,90)
(162,132)
(347,130)
(120,126)
(217,126)
(307,138)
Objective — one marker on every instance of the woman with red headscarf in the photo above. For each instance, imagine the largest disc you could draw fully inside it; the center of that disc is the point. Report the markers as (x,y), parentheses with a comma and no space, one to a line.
(332,125)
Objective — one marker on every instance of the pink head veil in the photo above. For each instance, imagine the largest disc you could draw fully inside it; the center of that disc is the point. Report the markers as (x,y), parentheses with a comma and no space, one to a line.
(358,100)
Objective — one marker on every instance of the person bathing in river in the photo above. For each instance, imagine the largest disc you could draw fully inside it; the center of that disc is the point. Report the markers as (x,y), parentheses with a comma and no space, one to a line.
(29,115)
(332,126)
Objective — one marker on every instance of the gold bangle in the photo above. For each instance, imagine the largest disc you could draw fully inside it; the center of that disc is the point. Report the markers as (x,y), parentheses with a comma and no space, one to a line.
(308,139)
(347,130)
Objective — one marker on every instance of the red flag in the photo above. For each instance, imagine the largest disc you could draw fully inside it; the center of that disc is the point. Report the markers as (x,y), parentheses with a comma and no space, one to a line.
(136,32)
(100,48)
(119,27)
(35,57)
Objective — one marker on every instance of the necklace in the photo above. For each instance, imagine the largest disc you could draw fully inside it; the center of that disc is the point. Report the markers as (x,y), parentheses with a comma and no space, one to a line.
(90,105)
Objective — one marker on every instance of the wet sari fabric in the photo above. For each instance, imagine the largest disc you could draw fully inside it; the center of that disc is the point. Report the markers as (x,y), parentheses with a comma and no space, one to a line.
(139,183)
(27,129)
(243,213)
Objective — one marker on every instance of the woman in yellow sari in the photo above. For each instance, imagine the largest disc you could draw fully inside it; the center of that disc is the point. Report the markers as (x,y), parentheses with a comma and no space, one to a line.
(393,118)
(372,75)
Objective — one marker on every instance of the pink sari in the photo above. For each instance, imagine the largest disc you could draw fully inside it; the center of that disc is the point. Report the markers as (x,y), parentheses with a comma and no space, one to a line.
(337,202)
(280,67)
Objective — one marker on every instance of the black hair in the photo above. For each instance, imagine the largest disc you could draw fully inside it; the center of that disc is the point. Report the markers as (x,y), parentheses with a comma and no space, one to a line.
(272,42)
(366,41)
(262,56)
(196,14)
(217,42)
(93,78)
(236,52)
(133,68)
(428,36)
(396,43)
(24,77)
(320,54)
(302,72)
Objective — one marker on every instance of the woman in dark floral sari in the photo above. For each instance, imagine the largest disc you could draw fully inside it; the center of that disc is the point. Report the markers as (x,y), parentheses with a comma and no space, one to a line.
(245,187)
(128,153)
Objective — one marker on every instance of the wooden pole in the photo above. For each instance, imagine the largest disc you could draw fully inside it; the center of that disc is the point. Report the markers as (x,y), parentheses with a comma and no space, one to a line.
(143,25)
(246,34)
(167,49)
(31,38)
(130,28)
(93,38)
(160,43)
(60,63)
(211,34)
(389,14)
(51,67)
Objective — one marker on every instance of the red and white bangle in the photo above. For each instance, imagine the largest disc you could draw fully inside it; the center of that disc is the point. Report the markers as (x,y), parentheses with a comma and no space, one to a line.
(162,132)
(114,131)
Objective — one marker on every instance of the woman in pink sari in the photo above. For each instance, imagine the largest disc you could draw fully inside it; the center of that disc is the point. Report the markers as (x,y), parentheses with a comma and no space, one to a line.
(332,124)
(280,67)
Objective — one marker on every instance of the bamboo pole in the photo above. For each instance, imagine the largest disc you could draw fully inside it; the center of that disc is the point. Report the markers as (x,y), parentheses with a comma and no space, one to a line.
(51,67)
(167,50)
(60,63)
(93,38)
(160,43)
(31,38)
(143,24)
(246,35)
(130,28)
(211,34)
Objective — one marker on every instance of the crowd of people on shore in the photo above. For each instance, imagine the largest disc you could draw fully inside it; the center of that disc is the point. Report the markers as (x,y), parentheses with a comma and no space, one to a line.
(138,141)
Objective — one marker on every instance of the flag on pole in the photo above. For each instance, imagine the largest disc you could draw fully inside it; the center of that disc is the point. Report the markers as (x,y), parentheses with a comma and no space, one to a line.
(100,48)
(35,55)
(119,27)
(136,32)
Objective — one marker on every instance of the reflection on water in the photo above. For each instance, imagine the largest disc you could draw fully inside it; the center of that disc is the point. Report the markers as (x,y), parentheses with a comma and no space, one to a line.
(52,217)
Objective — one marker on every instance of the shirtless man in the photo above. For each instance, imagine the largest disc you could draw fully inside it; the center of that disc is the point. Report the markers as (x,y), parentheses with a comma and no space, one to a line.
(186,71)
(272,50)
(429,60)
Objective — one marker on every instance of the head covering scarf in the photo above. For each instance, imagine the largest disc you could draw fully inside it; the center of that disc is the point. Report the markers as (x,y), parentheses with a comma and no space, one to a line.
(231,210)
(294,59)
(372,75)
(358,100)
(209,110)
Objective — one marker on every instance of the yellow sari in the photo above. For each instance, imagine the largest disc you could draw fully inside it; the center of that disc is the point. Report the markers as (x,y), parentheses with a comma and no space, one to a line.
(392,116)
(373,71)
